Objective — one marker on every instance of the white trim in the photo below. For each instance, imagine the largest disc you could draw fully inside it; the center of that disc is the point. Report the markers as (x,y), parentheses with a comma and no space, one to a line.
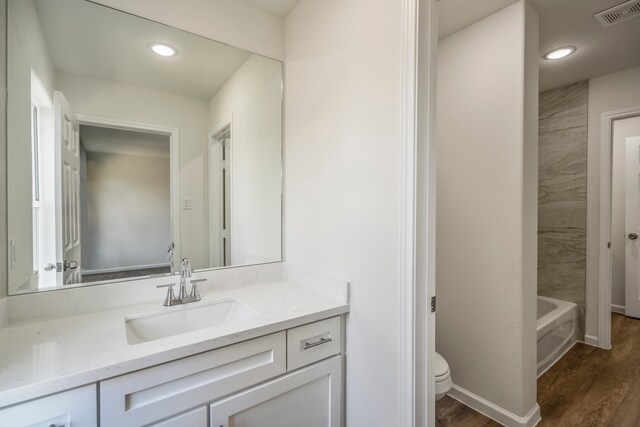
(495,412)
(174,163)
(407,262)
(426,201)
(591,340)
(215,192)
(604,252)
(618,309)
(129,268)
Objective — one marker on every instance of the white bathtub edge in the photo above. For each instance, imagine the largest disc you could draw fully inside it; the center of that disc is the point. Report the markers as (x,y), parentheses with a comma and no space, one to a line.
(559,357)
(493,411)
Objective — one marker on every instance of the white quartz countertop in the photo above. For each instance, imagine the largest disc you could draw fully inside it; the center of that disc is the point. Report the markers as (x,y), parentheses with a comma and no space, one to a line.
(46,356)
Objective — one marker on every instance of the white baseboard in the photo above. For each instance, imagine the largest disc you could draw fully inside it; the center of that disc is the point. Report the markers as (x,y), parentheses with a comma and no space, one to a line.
(591,340)
(493,411)
(618,308)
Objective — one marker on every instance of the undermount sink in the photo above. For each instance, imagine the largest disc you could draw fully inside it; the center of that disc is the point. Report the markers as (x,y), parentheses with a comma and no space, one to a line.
(179,320)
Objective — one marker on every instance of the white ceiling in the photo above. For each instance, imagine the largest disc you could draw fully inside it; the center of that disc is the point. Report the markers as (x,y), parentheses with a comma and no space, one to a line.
(600,50)
(454,15)
(92,40)
(279,8)
(125,142)
(562,22)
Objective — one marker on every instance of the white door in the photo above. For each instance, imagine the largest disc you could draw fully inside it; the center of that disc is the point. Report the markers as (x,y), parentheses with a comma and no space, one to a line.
(632,227)
(67,167)
(308,397)
(220,198)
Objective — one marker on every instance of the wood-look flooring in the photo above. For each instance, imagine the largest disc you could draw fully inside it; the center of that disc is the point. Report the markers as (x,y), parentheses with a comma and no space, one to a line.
(587,387)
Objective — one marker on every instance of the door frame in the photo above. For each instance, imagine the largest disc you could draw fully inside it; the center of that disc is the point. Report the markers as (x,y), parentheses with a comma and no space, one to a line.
(417,213)
(604,252)
(174,164)
(215,190)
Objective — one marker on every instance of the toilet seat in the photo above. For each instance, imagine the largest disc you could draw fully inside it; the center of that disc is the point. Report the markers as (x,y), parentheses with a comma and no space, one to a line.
(442,367)
(442,377)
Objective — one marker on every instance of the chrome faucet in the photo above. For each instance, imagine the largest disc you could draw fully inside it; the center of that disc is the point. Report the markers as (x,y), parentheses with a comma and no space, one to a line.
(183,298)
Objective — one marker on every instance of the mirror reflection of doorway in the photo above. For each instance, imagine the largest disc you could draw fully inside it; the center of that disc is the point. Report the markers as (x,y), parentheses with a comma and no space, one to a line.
(126,207)
(220,201)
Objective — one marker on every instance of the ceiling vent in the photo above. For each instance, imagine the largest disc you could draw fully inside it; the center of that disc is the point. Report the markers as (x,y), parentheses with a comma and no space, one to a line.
(616,14)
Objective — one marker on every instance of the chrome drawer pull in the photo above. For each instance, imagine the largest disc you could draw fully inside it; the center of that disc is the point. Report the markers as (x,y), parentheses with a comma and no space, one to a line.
(309,345)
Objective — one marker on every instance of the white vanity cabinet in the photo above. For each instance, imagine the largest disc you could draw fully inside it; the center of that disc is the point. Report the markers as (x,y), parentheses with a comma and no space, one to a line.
(72,408)
(272,380)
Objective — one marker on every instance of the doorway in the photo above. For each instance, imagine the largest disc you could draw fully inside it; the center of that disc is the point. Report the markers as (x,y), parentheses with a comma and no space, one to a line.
(611,239)
(625,212)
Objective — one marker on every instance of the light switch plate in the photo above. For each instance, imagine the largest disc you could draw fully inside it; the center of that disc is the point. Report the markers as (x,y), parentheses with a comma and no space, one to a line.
(186,203)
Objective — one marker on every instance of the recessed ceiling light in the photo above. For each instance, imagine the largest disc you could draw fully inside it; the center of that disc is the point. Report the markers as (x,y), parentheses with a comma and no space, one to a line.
(560,53)
(163,49)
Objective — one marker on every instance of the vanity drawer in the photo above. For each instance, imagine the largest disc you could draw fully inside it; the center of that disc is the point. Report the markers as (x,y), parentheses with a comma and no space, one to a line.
(152,394)
(316,341)
(75,408)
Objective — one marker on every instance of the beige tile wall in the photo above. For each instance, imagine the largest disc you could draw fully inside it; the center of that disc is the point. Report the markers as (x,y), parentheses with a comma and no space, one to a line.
(562,195)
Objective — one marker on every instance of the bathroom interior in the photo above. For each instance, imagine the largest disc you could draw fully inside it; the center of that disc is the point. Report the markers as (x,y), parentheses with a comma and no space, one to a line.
(234,213)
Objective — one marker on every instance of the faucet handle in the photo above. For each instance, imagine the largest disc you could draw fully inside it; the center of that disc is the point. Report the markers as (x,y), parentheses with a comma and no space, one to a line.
(194,288)
(171,296)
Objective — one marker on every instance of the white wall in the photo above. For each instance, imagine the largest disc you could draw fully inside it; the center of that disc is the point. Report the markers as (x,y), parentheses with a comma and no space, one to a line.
(486,207)
(128,211)
(343,87)
(606,93)
(27,54)
(189,115)
(233,22)
(622,129)
(253,97)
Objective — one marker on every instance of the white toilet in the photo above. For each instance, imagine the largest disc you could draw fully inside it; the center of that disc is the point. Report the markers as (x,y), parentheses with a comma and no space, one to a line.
(443,377)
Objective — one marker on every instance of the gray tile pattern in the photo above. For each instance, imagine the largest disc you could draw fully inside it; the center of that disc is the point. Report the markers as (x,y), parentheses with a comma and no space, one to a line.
(562,195)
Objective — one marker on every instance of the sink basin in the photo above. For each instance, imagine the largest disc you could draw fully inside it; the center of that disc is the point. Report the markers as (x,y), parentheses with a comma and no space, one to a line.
(179,320)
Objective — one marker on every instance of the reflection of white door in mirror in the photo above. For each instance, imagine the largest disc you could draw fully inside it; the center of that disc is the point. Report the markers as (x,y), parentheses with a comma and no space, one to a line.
(67,164)
(220,196)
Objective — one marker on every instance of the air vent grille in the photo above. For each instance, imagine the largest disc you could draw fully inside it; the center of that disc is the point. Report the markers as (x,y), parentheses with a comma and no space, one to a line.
(616,14)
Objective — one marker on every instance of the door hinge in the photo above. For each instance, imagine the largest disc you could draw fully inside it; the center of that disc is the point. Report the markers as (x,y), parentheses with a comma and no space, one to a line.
(608,245)
(433,304)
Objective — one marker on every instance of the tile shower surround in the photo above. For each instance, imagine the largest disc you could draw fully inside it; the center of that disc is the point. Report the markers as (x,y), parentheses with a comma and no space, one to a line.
(562,195)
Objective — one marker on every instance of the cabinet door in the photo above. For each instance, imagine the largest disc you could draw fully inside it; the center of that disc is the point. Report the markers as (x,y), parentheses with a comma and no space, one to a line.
(76,408)
(195,418)
(308,397)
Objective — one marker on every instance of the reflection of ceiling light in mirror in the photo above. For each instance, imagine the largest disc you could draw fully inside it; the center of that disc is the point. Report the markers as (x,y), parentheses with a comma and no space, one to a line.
(560,53)
(163,49)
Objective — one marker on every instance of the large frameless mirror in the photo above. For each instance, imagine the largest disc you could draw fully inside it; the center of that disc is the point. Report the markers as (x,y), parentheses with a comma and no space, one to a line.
(132,144)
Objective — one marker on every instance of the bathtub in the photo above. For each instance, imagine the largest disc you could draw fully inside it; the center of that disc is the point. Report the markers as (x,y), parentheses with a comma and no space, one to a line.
(556,330)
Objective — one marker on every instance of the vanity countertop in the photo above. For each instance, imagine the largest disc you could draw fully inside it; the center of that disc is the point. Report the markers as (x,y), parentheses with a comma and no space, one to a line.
(46,356)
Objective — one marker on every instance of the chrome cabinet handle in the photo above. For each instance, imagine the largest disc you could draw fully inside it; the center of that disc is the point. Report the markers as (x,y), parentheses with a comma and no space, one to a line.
(309,345)
(57,425)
